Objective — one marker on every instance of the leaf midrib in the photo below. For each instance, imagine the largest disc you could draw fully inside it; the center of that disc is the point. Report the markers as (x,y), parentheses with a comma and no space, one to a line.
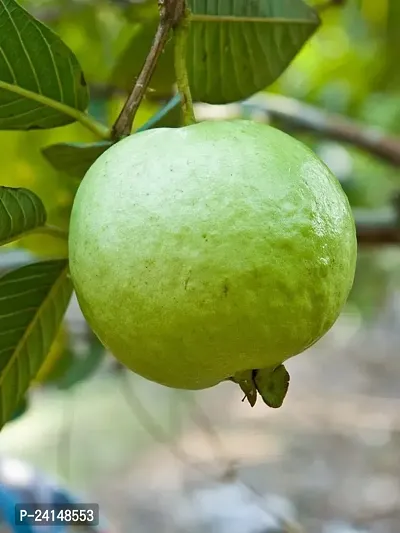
(45,100)
(80,116)
(265,20)
(29,329)
(20,235)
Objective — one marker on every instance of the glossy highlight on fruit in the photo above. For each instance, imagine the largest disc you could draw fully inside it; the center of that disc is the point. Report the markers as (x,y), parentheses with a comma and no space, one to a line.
(204,252)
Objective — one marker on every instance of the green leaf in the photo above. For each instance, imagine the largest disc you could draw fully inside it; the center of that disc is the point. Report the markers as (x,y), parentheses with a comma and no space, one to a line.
(33,300)
(59,370)
(238,48)
(57,361)
(41,82)
(272,385)
(21,409)
(83,367)
(74,159)
(20,212)
(169,116)
(235,48)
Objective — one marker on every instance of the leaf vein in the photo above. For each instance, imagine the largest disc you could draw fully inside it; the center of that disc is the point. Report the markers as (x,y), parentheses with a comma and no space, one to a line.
(24,48)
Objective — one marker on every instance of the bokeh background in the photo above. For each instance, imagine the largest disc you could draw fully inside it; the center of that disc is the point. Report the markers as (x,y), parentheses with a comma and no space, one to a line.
(166,461)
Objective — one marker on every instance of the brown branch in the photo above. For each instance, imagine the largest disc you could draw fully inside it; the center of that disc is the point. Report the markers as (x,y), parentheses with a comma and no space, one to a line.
(375,236)
(377,228)
(171,11)
(329,125)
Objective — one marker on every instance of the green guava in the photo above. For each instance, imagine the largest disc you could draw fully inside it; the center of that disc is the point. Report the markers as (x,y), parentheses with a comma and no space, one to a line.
(211,252)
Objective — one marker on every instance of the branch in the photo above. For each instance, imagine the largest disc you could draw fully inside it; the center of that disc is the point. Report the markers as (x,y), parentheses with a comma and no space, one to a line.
(377,228)
(291,111)
(370,235)
(171,12)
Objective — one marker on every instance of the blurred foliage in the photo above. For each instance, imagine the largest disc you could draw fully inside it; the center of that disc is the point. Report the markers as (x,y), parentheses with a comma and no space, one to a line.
(57,361)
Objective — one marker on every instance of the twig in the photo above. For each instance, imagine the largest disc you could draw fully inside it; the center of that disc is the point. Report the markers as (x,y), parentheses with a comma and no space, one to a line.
(171,11)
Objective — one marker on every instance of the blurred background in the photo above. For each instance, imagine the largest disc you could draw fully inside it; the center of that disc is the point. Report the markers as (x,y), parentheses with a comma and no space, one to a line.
(166,461)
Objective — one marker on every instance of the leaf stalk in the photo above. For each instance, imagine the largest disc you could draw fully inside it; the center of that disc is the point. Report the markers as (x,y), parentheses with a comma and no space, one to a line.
(181,33)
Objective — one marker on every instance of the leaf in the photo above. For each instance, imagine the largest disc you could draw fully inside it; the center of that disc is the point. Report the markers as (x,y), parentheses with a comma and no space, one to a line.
(237,49)
(391,75)
(84,367)
(272,386)
(20,212)
(21,409)
(56,362)
(41,82)
(169,116)
(33,300)
(74,159)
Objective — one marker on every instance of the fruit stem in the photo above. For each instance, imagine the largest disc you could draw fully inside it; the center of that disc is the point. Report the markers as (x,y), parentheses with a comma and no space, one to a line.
(171,12)
(181,33)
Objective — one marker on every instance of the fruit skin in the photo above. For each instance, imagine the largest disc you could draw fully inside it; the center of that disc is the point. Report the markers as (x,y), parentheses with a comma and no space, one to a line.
(211,249)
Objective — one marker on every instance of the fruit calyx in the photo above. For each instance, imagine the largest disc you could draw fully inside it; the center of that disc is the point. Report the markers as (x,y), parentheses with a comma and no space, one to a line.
(270,383)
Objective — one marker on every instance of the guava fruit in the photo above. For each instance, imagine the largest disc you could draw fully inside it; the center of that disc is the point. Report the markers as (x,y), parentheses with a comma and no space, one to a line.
(211,252)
